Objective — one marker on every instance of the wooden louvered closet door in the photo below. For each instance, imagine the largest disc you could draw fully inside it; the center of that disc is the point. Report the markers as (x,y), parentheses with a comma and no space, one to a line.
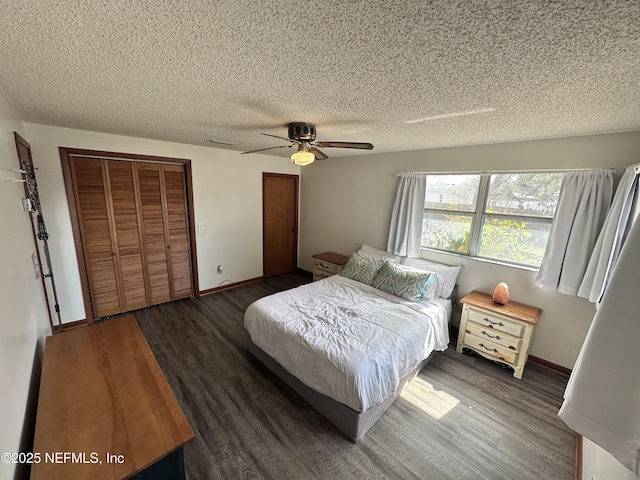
(177,231)
(134,226)
(151,207)
(95,227)
(127,235)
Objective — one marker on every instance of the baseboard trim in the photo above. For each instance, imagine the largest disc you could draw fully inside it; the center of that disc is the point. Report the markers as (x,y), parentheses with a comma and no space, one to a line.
(559,369)
(577,469)
(229,286)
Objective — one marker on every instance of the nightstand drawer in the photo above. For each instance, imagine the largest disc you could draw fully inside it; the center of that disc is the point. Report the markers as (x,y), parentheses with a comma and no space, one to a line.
(326,266)
(489,348)
(507,341)
(495,322)
(320,274)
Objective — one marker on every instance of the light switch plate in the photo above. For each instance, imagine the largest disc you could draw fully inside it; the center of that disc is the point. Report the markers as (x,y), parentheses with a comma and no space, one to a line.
(199,229)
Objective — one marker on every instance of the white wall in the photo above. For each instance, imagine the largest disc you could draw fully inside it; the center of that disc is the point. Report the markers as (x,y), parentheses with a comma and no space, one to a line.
(347,201)
(598,464)
(23,317)
(227,190)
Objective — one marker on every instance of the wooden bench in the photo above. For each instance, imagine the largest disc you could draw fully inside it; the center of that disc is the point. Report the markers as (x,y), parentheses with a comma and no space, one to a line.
(105,410)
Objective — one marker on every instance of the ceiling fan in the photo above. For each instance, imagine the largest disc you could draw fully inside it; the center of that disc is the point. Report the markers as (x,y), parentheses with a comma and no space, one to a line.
(304,136)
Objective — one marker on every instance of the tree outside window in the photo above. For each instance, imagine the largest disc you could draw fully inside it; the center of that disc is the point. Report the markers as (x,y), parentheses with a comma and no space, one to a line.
(506,217)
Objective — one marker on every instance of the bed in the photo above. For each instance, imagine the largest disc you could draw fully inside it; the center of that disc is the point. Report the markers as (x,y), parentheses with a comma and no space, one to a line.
(346,347)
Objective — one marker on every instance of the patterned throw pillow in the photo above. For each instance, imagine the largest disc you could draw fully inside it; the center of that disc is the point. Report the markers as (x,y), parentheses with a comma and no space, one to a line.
(362,269)
(430,288)
(401,281)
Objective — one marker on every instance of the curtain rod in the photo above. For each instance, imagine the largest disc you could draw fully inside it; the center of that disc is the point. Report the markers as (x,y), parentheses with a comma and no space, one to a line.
(488,172)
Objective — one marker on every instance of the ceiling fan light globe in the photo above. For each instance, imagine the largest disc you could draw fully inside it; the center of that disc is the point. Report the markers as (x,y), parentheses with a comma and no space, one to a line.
(303,158)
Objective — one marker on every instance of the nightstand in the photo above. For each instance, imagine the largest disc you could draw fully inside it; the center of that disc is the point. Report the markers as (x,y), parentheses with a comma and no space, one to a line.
(327,264)
(498,332)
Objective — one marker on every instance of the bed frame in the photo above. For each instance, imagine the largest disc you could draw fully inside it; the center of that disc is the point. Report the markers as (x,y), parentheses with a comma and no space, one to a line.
(352,423)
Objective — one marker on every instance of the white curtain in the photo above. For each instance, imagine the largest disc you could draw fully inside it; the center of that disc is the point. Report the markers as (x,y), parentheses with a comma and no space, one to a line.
(405,232)
(613,235)
(602,400)
(584,200)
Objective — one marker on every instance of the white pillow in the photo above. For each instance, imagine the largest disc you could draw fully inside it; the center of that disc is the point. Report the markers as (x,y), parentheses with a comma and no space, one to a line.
(389,257)
(447,275)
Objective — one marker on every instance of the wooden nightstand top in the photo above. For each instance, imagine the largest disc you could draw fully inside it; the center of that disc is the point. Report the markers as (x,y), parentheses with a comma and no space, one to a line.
(515,310)
(331,257)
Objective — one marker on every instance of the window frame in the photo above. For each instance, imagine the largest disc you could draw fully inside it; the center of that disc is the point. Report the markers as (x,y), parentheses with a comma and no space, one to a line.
(479,216)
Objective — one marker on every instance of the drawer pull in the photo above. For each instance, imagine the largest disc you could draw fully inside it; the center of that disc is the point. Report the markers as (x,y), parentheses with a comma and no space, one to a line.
(497,337)
(490,349)
(500,324)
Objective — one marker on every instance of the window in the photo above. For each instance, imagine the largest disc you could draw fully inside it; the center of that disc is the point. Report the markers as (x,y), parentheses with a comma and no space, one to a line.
(505,217)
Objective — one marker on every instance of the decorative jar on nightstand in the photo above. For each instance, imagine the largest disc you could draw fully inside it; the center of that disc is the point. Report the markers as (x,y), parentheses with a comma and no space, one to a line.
(498,332)
(327,264)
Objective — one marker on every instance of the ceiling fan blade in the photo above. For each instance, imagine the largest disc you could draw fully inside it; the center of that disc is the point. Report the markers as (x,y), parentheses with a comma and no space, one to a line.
(268,148)
(281,138)
(318,153)
(359,145)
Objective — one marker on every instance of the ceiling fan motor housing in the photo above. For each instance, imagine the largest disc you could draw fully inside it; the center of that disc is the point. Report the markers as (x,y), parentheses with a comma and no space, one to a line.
(303,132)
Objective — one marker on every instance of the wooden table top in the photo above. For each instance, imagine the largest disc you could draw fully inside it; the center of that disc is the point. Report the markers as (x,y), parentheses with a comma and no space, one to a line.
(102,393)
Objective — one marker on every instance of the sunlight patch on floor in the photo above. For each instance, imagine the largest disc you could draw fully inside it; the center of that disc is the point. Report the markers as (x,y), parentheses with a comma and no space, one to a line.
(434,403)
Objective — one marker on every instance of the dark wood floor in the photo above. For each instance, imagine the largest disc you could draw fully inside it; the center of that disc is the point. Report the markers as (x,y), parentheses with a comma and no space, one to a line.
(248,424)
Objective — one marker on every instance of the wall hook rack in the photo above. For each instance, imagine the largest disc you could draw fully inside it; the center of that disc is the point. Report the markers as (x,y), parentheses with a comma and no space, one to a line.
(38,227)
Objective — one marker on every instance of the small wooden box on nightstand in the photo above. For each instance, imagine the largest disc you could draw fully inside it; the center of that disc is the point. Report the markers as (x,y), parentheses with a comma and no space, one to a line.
(498,332)
(327,264)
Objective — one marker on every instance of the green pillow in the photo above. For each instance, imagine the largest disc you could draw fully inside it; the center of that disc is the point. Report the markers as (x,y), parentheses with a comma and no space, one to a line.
(362,269)
(405,282)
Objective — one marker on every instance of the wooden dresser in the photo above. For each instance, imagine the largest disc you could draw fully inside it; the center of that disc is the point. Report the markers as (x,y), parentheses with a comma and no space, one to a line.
(327,264)
(105,410)
(499,332)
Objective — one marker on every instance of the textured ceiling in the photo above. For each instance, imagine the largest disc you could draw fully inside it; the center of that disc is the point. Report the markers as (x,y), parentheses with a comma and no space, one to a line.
(403,75)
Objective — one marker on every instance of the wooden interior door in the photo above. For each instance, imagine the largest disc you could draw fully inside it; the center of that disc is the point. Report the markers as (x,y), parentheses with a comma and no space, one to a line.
(90,188)
(280,223)
(177,231)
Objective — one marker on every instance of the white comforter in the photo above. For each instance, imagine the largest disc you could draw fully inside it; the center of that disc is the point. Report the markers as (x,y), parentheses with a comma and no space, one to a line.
(347,340)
